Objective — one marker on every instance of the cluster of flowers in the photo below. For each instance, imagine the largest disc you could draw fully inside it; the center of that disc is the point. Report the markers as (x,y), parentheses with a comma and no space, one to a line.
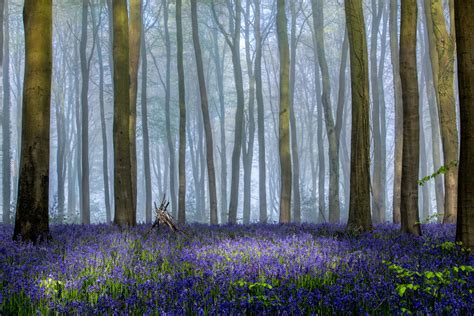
(263,269)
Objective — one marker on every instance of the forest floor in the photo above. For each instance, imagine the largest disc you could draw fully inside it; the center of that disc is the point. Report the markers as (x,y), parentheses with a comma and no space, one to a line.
(257,269)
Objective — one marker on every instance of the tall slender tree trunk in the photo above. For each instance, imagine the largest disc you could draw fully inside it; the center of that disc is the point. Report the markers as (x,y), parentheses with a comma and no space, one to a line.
(211,174)
(383,121)
(61,136)
(318,18)
(284,121)
(464,20)
(146,136)
(218,60)
(103,129)
(425,200)
(182,119)
(341,99)
(411,119)
(234,44)
(434,109)
(249,131)
(135,26)
(394,53)
(293,133)
(169,136)
(6,133)
(260,117)
(445,48)
(84,189)
(122,165)
(77,114)
(359,204)
(377,180)
(32,220)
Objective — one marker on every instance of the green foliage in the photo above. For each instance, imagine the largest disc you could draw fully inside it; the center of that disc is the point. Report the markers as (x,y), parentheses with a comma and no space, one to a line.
(429,282)
(257,291)
(440,171)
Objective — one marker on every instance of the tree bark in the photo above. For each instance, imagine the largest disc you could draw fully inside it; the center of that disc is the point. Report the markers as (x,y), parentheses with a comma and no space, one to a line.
(171,143)
(103,129)
(318,19)
(284,118)
(32,220)
(205,115)
(223,151)
(411,120)
(84,189)
(377,207)
(445,49)
(122,165)
(293,132)
(146,137)
(359,202)
(249,131)
(6,133)
(135,26)
(182,119)
(464,20)
(394,52)
(260,117)
(233,41)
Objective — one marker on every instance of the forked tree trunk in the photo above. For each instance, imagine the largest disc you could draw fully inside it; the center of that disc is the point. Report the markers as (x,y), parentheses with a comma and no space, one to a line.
(318,18)
(205,114)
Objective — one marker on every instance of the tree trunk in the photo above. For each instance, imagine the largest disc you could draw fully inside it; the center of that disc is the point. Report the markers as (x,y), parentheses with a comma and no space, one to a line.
(394,52)
(61,135)
(260,117)
(146,137)
(464,20)
(182,119)
(205,115)
(223,152)
(411,120)
(293,133)
(171,143)
(134,59)
(6,146)
(84,190)
(377,180)
(284,121)
(359,204)
(434,108)
(445,49)
(32,220)
(234,44)
(341,99)
(247,148)
(122,165)
(103,128)
(318,19)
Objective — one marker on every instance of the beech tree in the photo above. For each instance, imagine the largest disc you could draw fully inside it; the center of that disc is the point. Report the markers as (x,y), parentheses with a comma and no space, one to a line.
(284,118)
(410,222)
(32,217)
(123,195)
(464,17)
(359,203)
